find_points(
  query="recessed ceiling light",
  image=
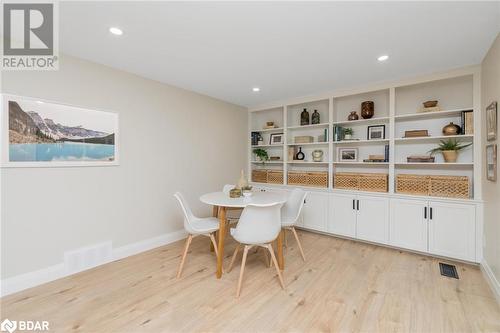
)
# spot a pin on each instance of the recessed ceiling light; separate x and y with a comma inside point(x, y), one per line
point(255, 89)
point(383, 57)
point(116, 31)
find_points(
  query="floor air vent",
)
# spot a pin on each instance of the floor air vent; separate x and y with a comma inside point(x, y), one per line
point(448, 270)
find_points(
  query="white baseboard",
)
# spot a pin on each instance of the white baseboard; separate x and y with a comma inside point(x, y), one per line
point(32, 279)
point(491, 279)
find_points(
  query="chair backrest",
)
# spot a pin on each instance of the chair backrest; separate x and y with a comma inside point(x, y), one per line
point(258, 224)
point(293, 205)
point(188, 214)
point(227, 188)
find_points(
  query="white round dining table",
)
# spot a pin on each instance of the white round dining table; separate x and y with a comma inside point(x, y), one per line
point(221, 202)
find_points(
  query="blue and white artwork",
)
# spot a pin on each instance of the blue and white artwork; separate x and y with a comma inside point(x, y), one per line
point(45, 133)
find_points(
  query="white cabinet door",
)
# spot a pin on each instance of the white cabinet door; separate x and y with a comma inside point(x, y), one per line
point(452, 231)
point(373, 219)
point(408, 224)
point(315, 211)
point(342, 216)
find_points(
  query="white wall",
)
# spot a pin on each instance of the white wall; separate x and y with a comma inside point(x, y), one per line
point(171, 139)
point(490, 87)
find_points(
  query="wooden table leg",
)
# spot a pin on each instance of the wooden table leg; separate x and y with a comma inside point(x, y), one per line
point(215, 213)
point(222, 236)
point(281, 257)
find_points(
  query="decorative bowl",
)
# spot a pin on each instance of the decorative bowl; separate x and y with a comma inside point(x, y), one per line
point(430, 104)
point(247, 194)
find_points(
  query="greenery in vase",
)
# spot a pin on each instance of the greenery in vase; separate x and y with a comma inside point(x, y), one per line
point(450, 144)
point(261, 153)
point(348, 131)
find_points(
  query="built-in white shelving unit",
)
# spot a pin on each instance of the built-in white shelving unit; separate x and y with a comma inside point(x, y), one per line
point(398, 108)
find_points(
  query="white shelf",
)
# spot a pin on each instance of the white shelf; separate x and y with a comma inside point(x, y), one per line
point(268, 146)
point(362, 163)
point(268, 129)
point(435, 164)
point(430, 115)
point(362, 121)
point(267, 162)
point(432, 138)
point(305, 162)
point(309, 126)
point(309, 144)
point(360, 141)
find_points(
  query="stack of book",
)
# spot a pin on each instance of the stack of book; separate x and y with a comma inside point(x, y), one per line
point(420, 159)
point(375, 158)
point(338, 133)
point(467, 122)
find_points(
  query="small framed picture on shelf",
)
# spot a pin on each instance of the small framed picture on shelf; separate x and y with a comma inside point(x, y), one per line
point(348, 154)
point(491, 121)
point(491, 162)
point(376, 132)
point(276, 139)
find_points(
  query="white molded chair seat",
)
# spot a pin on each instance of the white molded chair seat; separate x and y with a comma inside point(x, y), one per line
point(259, 225)
point(195, 226)
point(290, 213)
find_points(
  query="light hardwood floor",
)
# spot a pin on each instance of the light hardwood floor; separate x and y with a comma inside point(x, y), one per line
point(344, 286)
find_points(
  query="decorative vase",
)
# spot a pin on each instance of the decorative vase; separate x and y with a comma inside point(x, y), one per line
point(242, 182)
point(300, 155)
point(304, 118)
point(317, 155)
point(452, 129)
point(450, 156)
point(367, 109)
point(315, 117)
point(353, 116)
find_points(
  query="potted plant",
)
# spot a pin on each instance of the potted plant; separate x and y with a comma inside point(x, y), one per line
point(449, 149)
point(261, 154)
point(348, 133)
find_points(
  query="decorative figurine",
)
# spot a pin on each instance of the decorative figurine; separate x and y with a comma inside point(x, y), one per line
point(317, 155)
point(304, 118)
point(300, 155)
point(315, 117)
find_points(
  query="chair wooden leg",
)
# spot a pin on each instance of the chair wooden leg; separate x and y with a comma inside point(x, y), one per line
point(286, 238)
point(298, 243)
point(266, 256)
point(242, 270)
point(233, 258)
point(214, 244)
point(270, 248)
point(186, 248)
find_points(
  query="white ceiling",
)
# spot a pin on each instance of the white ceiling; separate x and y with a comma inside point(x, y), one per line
point(288, 49)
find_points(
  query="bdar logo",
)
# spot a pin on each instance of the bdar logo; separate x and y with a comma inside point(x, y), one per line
point(8, 326)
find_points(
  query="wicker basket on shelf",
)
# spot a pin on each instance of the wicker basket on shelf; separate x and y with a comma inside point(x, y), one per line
point(275, 176)
point(371, 182)
point(259, 176)
point(433, 185)
point(304, 178)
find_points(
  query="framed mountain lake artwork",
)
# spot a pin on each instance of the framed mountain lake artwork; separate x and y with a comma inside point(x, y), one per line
point(38, 133)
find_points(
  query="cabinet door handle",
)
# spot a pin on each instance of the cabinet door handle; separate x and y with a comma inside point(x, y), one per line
point(425, 213)
point(357, 204)
point(353, 204)
point(431, 214)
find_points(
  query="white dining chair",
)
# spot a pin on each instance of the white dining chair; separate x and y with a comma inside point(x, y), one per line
point(259, 225)
point(195, 226)
point(290, 213)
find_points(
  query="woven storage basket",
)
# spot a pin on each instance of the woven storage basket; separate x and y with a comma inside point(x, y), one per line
point(316, 179)
point(346, 180)
point(412, 184)
point(373, 182)
point(275, 176)
point(259, 176)
point(449, 186)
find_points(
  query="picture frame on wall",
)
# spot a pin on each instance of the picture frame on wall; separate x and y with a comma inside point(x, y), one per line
point(42, 133)
point(376, 132)
point(347, 154)
point(491, 162)
point(491, 121)
point(276, 139)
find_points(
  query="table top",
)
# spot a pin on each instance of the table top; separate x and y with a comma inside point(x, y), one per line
point(257, 198)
